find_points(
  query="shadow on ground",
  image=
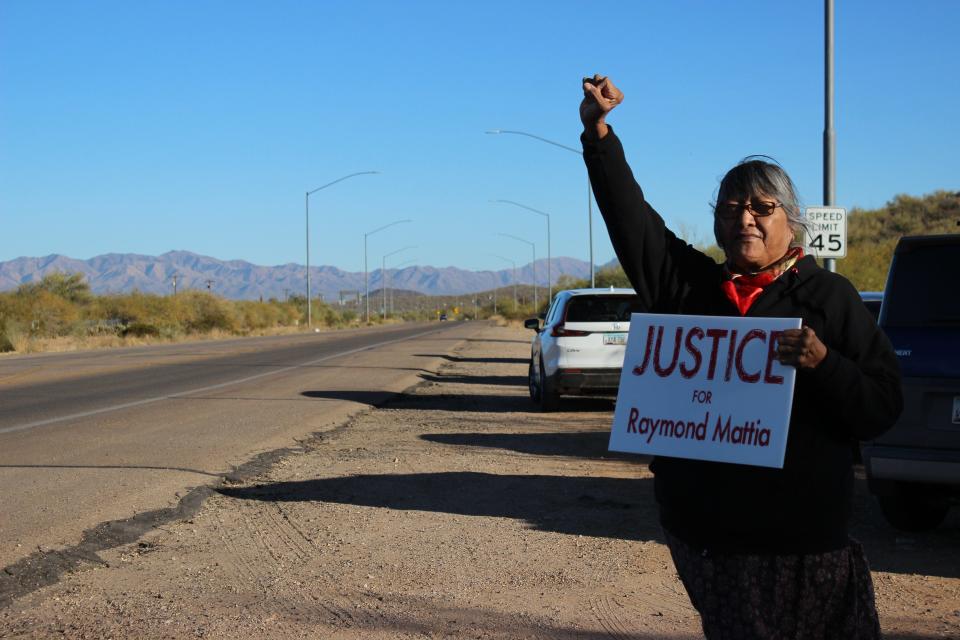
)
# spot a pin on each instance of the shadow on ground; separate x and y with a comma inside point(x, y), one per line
point(580, 444)
point(458, 402)
point(372, 398)
point(931, 553)
point(450, 358)
point(587, 506)
point(512, 381)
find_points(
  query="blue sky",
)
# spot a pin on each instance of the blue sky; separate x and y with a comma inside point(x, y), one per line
point(150, 126)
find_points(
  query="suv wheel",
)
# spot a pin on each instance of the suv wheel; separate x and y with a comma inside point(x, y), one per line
point(549, 396)
point(533, 382)
point(909, 511)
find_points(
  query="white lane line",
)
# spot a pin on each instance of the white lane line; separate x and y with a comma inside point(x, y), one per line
point(180, 394)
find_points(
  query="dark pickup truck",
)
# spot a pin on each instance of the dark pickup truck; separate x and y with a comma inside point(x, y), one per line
point(914, 469)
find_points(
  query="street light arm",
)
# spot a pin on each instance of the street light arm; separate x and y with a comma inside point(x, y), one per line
point(530, 135)
point(306, 203)
point(387, 255)
point(589, 188)
point(513, 262)
point(370, 233)
point(523, 206)
point(366, 276)
point(507, 235)
point(330, 184)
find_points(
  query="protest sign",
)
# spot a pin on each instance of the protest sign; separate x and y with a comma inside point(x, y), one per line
point(706, 388)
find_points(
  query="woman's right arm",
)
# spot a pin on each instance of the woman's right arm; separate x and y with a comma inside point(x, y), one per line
point(658, 264)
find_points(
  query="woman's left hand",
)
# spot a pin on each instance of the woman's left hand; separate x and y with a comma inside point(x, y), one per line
point(800, 348)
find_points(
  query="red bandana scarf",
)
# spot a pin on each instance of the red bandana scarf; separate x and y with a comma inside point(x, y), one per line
point(744, 288)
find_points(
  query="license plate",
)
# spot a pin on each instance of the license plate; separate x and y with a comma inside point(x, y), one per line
point(620, 338)
point(956, 409)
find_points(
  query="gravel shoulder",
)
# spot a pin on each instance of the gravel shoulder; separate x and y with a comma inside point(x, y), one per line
point(452, 511)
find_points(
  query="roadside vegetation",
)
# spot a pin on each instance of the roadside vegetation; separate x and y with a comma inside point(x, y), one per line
point(61, 313)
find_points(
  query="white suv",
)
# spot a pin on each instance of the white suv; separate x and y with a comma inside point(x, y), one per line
point(579, 349)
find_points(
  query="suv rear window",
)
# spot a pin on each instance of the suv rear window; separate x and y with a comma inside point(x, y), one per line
point(916, 294)
point(600, 308)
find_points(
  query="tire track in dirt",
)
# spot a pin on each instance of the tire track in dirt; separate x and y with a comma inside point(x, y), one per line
point(268, 546)
point(621, 615)
point(612, 616)
point(260, 569)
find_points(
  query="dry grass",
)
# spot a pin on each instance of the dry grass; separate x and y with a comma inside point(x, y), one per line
point(25, 344)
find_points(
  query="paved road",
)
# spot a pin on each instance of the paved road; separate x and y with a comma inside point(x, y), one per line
point(92, 437)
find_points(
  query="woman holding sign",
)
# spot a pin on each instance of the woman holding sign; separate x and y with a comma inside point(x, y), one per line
point(762, 552)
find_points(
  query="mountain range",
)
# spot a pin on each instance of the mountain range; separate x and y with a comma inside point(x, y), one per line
point(238, 279)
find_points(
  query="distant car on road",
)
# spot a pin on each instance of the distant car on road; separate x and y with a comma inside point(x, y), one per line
point(914, 469)
point(579, 350)
point(443, 316)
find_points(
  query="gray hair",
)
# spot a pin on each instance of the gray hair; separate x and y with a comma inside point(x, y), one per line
point(756, 175)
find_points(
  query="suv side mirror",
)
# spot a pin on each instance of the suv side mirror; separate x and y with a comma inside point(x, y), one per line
point(532, 323)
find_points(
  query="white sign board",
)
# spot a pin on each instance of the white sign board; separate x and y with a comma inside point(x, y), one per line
point(706, 388)
point(826, 235)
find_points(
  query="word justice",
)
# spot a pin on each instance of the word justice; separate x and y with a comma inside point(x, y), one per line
point(667, 358)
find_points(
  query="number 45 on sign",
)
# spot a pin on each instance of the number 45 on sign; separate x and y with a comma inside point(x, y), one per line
point(826, 235)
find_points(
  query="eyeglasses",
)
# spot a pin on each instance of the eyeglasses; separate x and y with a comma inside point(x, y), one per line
point(757, 208)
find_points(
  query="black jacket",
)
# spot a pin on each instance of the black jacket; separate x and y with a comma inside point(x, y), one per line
point(853, 394)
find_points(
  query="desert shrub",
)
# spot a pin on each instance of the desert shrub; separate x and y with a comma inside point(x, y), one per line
point(9, 332)
point(330, 316)
point(71, 287)
point(203, 312)
point(50, 315)
point(253, 316)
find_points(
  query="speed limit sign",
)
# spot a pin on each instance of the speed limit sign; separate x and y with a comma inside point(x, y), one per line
point(826, 235)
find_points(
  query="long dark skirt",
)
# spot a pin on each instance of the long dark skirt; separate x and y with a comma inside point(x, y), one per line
point(795, 597)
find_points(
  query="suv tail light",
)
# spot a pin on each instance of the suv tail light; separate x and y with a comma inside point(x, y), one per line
point(560, 332)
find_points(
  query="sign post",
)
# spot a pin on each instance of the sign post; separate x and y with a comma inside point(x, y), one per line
point(705, 388)
point(826, 236)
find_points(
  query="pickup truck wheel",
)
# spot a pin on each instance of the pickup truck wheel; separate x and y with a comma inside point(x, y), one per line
point(549, 396)
point(909, 511)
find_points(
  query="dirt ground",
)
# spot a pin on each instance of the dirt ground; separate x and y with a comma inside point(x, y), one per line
point(453, 511)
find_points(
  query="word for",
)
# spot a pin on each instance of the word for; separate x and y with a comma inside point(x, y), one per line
point(734, 346)
point(749, 433)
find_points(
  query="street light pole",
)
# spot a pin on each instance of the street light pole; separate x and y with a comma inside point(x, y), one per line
point(307, 210)
point(549, 254)
point(593, 280)
point(829, 136)
point(383, 276)
point(366, 273)
point(533, 247)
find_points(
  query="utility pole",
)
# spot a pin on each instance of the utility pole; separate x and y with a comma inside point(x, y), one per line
point(209, 285)
point(174, 278)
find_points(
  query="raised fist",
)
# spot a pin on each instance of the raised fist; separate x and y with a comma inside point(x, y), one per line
point(600, 97)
